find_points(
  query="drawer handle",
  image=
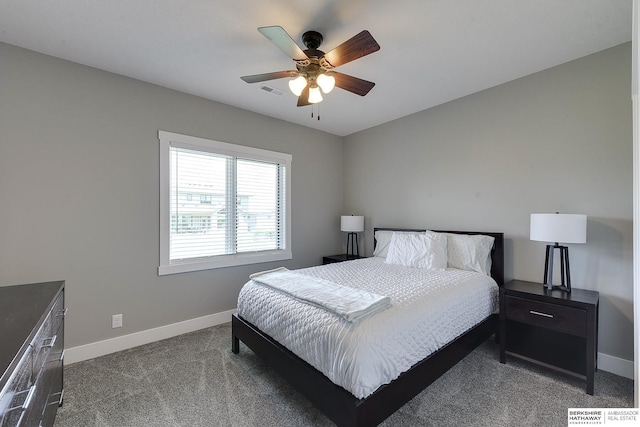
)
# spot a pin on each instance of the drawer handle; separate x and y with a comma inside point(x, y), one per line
point(58, 360)
point(61, 400)
point(537, 313)
point(51, 343)
point(27, 401)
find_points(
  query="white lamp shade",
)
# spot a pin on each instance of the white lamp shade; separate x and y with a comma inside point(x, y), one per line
point(352, 223)
point(326, 82)
point(559, 228)
point(297, 85)
point(314, 95)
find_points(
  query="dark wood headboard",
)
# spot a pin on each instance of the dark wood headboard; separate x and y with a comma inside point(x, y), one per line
point(497, 253)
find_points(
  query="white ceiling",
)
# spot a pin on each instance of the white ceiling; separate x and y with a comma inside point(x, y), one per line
point(432, 51)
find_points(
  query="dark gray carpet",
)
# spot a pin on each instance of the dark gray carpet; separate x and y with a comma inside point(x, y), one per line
point(194, 380)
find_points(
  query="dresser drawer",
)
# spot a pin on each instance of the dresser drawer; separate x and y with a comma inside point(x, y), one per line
point(52, 323)
point(562, 319)
point(57, 313)
point(44, 342)
point(17, 396)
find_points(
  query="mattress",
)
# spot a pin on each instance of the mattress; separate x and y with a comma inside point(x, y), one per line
point(428, 310)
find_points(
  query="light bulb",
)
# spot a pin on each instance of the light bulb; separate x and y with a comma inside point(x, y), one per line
point(326, 83)
point(297, 85)
point(314, 95)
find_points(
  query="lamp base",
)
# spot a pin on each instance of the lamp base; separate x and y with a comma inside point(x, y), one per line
point(352, 238)
point(557, 288)
point(565, 274)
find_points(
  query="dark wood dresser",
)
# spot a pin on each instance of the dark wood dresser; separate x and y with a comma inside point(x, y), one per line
point(31, 353)
point(555, 328)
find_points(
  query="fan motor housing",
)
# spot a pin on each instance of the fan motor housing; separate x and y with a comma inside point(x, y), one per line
point(312, 39)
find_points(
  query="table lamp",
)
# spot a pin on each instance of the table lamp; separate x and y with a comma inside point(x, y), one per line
point(352, 224)
point(558, 228)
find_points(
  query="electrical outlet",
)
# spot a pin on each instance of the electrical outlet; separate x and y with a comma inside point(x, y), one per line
point(116, 321)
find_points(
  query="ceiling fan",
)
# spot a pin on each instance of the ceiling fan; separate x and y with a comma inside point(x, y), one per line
point(314, 68)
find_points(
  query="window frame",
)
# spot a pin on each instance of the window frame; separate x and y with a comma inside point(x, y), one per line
point(167, 266)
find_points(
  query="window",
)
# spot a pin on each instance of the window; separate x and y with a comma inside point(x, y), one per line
point(221, 204)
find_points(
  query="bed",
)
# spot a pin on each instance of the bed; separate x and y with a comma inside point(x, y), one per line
point(368, 406)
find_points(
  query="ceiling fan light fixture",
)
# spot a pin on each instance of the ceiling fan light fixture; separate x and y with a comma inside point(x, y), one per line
point(326, 83)
point(314, 75)
point(297, 85)
point(314, 95)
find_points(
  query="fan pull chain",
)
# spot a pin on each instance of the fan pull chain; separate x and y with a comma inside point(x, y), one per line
point(313, 105)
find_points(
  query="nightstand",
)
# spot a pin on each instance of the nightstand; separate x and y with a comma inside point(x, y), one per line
point(339, 258)
point(554, 328)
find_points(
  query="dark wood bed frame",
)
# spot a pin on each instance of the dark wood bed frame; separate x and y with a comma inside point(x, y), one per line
point(339, 405)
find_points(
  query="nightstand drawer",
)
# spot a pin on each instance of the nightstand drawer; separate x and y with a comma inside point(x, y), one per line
point(562, 319)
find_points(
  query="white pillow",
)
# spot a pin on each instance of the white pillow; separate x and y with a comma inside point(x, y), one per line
point(383, 239)
point(470, 252)
point(418, 250)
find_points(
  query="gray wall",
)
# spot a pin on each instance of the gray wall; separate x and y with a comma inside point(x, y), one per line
point(79, 183)
point(79, 192)
point(558, 140)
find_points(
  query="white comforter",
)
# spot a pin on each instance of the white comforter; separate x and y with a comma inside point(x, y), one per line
point(429, 309)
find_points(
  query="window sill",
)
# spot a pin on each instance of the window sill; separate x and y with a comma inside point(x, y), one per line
point(222, 262)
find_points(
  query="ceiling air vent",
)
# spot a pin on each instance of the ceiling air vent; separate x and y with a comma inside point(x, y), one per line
point(271, 90)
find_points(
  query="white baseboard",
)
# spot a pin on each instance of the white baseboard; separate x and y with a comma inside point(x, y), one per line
point(615, 365)
point(101, 348)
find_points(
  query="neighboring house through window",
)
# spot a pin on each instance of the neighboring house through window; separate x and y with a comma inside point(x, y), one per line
point(221, 204)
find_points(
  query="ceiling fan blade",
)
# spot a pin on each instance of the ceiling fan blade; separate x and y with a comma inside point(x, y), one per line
point(356, 47)
point(353, 84)
point(269, 76)
point(283, 40)
point(303, 99)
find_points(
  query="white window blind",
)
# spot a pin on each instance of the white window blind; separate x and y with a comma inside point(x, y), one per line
point(225, 204)
point(259, 200)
